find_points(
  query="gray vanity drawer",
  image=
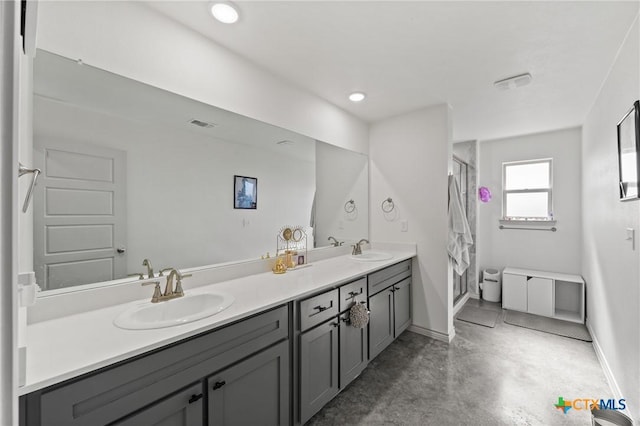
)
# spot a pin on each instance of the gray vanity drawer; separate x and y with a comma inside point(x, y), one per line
point(347, 292)
point(317, 309)
point(380, 280)
point(117, 391)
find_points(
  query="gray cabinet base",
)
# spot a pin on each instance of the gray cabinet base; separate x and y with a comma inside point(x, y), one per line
point(318, 368)
point(353, 350)
point(380, 322)
point(253, 392)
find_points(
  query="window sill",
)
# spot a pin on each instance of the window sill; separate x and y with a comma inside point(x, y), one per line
point(531, 222)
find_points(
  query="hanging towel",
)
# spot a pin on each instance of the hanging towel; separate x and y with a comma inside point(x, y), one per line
point(459, 232)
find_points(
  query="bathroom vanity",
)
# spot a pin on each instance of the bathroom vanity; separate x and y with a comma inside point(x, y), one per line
point(275, 357)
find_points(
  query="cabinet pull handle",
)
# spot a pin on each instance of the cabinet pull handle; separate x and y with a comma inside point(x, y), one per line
point(321, 308)
point(353, 294)
point(396, 288)
point(335, 324)
point(194, 398)
point(392, 289)
point(218, 385)
point(346, 319)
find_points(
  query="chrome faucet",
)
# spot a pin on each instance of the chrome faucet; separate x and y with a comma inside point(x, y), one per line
point(335, 242)
point(147, 263)
point(168, 289)
point(357, 248)
point(169, 292)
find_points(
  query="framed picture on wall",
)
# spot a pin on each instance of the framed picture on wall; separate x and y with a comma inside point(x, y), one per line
point(245, 192)
point(628, 151)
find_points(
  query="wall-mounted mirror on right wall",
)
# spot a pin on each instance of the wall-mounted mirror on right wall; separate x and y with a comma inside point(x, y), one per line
point(629, 153)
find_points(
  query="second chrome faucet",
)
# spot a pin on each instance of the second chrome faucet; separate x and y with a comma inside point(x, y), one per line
point(335, 242)
point(357, 248)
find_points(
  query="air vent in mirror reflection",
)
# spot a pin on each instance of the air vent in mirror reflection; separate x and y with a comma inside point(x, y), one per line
point(201, 123)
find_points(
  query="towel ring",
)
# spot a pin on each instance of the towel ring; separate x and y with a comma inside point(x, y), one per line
point(387, 205)
point(349, 206)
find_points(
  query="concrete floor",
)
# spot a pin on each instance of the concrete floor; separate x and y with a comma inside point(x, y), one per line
point(505, 375)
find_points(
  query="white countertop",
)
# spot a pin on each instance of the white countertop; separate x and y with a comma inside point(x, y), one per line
point(66, 347)
point(544, 274)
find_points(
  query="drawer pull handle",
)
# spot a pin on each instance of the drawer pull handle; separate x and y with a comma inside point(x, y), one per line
point(346, 320)
point(194, 398)
point(353, 294)
point(335, 324)
point(321, 308)
point(218, 385)
point(392, 289)
point(396, 288)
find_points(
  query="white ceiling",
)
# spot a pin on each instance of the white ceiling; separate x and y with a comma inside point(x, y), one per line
point(409, 55)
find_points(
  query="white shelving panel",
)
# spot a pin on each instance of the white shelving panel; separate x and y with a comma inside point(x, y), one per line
point(550, 294)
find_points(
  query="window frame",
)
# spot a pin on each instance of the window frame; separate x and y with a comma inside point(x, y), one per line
point(549, 191)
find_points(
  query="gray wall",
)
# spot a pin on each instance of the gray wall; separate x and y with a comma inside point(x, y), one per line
point(541, 250)
point(610, 262)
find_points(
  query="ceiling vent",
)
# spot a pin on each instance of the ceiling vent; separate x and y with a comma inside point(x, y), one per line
point(202, 124)
point(513, 82)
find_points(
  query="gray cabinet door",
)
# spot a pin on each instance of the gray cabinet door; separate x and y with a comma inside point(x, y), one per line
point(353, 350)
point(184, 408)
point(254, 392)
point(318, 368)
point(402, 306)
point(381, 329)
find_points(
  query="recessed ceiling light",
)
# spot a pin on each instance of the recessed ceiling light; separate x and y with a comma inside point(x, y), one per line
point(224, 12)
point(357, 97)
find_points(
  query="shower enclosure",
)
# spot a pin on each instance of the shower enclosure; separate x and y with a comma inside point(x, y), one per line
point(461, 172)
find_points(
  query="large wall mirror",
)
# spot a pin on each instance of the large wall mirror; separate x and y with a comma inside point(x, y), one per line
point(133, 172)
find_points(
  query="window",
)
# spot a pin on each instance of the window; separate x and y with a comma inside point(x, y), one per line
point(526, 190)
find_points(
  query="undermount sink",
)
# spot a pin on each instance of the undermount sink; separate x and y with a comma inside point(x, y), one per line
point(183, 310)
point(372, 256)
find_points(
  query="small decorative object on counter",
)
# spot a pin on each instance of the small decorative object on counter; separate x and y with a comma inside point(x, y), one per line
point(359, 315)
point(484, 194)
point(291, 242)
point(291, 257)
point(280, 267)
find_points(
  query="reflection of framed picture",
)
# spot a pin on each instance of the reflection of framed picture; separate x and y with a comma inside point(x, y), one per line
point(245, 192)
point(628, 151)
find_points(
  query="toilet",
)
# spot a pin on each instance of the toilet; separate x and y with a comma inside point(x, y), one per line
point(491, 285)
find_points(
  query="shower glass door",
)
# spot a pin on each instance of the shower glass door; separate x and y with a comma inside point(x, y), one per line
point(460, 169)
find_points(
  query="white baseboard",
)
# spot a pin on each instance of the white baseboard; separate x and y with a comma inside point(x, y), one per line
point(474, 295)
point(447, 338)
point(613, 384)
